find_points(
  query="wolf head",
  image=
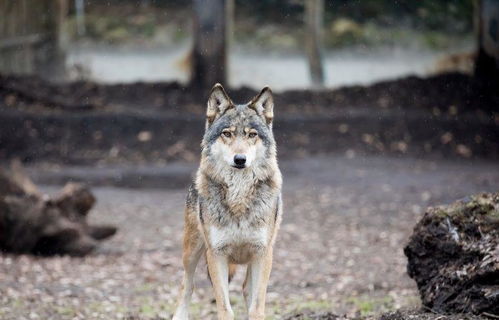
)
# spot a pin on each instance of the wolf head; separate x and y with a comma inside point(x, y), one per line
point(239, 137)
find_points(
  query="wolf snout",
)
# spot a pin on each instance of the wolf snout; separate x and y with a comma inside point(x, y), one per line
point(240, 161)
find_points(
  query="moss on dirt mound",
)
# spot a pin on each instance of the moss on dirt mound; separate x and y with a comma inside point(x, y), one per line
point(453, 255)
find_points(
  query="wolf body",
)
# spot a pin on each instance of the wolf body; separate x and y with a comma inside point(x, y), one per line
point(234, 207)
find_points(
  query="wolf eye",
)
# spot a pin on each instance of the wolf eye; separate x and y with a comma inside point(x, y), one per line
point(227, 134)
point(252, 134)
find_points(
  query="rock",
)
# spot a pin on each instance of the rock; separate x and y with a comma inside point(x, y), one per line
point(453, 255)
point(31, 222)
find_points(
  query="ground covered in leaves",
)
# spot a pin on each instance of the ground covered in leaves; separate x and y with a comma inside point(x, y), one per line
point(340, 248)
point(412, 314)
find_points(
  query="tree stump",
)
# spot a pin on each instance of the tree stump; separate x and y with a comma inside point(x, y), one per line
point(453, 255)
point(31, 222)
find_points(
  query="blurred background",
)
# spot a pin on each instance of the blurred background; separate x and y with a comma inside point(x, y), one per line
point(266, 43)
point(382, 109)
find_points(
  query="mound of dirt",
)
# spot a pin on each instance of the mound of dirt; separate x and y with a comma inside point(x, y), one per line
point(453, 255)
point(447, 94)
point(84, 123)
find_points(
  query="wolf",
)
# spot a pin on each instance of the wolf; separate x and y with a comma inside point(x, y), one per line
point(234, 206)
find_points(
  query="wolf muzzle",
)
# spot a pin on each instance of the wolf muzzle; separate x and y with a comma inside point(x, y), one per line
point(240, 161)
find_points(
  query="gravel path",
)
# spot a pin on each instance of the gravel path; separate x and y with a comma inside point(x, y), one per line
point(340, 246)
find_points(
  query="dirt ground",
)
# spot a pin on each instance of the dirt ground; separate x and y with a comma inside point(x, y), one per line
point(339, 248)
point(353, 191)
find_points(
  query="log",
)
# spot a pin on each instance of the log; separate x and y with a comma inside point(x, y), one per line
point(31, 222)
point(453, 255)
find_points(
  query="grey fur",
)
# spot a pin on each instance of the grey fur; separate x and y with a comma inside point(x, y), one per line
point(263, 199)
point(262, 193)
point(239, 116)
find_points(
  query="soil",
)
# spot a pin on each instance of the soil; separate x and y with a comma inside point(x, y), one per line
point(84, 123)
point(464, 93)
point(340, 247)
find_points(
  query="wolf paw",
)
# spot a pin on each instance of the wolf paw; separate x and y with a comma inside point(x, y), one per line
point(181, 315)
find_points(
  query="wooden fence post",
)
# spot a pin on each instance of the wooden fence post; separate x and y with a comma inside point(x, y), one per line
point(209, 54)
point(314, 12)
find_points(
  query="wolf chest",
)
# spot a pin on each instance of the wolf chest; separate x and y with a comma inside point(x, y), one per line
point(240, 242)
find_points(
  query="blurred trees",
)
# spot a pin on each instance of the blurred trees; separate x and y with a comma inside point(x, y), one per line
point(265, 23)
point(422, 13)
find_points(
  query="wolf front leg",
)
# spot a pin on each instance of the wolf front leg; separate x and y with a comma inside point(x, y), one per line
point(192, 253)
point(218, 267)
point(260, 273)
point(247, 287)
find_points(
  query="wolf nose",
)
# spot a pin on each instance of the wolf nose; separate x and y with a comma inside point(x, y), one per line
point(240, 159)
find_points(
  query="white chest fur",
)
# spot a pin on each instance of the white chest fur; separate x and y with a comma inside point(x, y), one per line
point(240, 242)
point(240, 191)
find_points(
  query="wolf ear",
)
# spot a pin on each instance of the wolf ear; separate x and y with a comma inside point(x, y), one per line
point(218, 103)
point(263, 104)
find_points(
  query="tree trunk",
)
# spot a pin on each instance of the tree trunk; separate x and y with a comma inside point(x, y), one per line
point(487, 28)
point(209, 55)
point(314, 11)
